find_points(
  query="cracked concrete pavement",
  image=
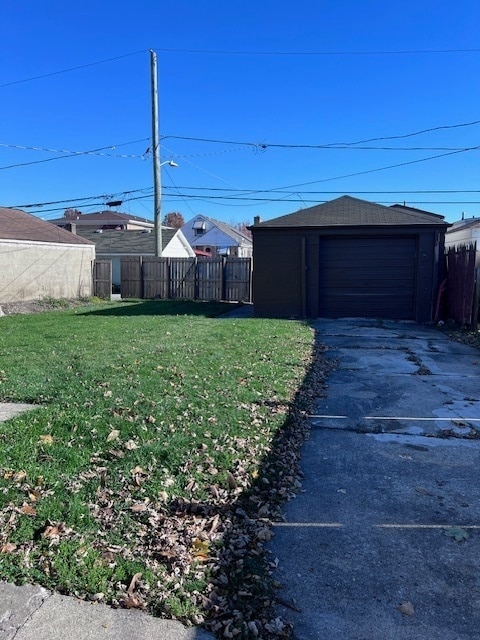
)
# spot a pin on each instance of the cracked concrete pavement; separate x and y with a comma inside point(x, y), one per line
point(33, 613)
point(383, 542)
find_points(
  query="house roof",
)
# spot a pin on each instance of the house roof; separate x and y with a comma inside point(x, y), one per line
point(18, 225)
point(127, 242)
point(348, 211)
point(237, 236)
point(465, 224)
point(100, 217)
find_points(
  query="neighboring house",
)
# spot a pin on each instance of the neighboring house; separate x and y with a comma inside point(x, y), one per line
point(38, 260)
point(216, 238)
point(74, 219)
point(349, 257)
point(113, 245)
point(464, 232)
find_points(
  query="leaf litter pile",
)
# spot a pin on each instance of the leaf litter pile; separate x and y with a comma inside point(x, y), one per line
point(161, 453)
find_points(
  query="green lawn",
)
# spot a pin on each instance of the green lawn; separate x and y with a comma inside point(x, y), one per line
point(163, 442)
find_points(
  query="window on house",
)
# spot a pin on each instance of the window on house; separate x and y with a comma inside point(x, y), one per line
point(199, 227)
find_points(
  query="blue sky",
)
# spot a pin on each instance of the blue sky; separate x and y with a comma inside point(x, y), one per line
point(266, 73)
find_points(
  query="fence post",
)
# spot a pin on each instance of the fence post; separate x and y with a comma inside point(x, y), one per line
point(224, 279)
point(476, 300)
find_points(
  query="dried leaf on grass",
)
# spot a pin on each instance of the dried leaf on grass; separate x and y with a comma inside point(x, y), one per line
point(217, 535)
point(200, 549)
point(138, 507)
point(27, 510)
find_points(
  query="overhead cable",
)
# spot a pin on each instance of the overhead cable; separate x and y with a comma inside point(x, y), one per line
point(81, 66)
point(265, 145)
point(319, 53)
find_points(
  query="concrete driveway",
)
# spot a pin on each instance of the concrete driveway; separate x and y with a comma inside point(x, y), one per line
point(383, 543)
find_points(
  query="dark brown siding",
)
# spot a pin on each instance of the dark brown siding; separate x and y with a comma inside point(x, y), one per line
point(367, 276)
point(277, 274)
point(353, 271)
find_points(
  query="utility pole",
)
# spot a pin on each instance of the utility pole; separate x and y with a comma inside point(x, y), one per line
point(157, 184)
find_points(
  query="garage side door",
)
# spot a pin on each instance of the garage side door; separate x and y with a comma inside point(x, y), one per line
point(367, 277)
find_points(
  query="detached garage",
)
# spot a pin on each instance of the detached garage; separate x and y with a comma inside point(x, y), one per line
point(38, 259)
point(349, 257)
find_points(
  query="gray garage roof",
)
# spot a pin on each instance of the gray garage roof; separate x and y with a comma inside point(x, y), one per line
point(348, 211)
point(127, 242)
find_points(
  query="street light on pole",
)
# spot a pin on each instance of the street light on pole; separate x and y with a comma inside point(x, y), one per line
point(157, 181)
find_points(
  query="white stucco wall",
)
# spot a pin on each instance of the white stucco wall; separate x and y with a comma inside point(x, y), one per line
point(34, 270)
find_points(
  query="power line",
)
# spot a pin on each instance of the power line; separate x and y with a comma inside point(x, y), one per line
point(263, 146)
point(319, 53)
point(70, 154)
point(81, 66)
point(207, 198)
point(235, 191)
point(400, 191)
point(92, 153)
point(70, 200)
point(245, 53)
point(366, 171)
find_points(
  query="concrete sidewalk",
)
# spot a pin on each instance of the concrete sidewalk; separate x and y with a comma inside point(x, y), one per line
point(384, 541)
point(33, 613)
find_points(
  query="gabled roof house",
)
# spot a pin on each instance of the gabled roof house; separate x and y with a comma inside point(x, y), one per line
point(349, 257)
point(40, 260)
point(216, 238)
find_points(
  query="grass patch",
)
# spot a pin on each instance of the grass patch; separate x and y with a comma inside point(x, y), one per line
point(150, 452)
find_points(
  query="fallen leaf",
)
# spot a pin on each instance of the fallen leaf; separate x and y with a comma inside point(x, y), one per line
point(133, 583)
point(46, 439)
point(137, 471)
point(200, 549)
point(457, 533)
point(406, 608)
point(132, 602)
point(27, 510)
point(113, 435)
point(51, 531)
point(138, 507)
point(8, 547)
point(232, 483)
point(19, 476)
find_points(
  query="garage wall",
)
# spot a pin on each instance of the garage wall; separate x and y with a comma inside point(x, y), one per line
point(277, 275)
point(34, 270)
point(380, 272)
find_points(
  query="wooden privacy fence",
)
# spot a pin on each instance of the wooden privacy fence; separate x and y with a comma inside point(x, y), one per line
point(102, 278)
point(227, 279)
point(463, 282)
